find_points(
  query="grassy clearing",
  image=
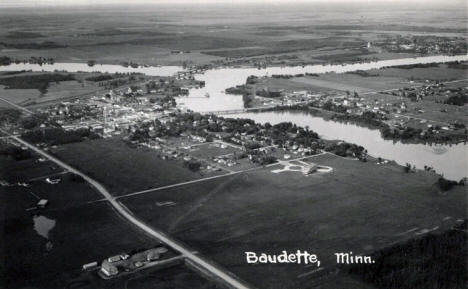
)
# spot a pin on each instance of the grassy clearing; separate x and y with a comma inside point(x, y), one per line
point(81, 235)
point(17, 96)
point(296, 84)
point(441, 72)
point(29, 88)
point(171, 278)
point(357, 207)
point(290, 45)
point(34, 81)
point(23, 170)
point(64, 90)
point(123, 169)
point(23, 35)
point(354, 82)
point(207, 151)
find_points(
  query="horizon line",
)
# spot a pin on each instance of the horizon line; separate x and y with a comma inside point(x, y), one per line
point(103, 3)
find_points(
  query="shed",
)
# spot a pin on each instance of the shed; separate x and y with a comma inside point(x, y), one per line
point(42, 203)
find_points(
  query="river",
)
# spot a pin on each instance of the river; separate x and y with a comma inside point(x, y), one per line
point(83, 67)
point(450, 160)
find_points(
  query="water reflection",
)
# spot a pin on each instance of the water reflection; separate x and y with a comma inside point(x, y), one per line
point(43, 225)
point(217, 80)
point(83, 67)
point(449, 160)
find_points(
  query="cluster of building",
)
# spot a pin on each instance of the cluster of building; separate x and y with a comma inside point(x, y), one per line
point(437, 91)
point(425, 44)
point(261, 61)
point(179, 85)
point(125, 263)
point(111, 114)
point(167, 152)
point(299, 150)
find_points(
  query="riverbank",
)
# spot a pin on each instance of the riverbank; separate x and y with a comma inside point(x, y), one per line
point(371, 121)
point(217, 80)
point(448, 160)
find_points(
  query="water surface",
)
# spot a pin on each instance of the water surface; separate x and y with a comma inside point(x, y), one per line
point(450, 160)
point(43, 225)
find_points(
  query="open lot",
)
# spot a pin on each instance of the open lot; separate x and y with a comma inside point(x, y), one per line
point(176, 277)
point(78, 235)
point(441, 72)
point(209, 150)
point(322, 213)
point(25, 170)
point(123, 169)
point(67, 193)
point(45, 248)
point(353, 82)
point(17, 95)
point(64, 90)
point(55, 91)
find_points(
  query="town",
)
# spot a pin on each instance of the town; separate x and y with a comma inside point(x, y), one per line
point(160, 145)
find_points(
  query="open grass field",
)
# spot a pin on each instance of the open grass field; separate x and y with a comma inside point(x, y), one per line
point(30, 95)
point(207, 151)
point(147, 34)
point(49, 253)
point(25, 170)
point(123, 169)
point(309, 83)
point(17, 96)
point(67, 193)
point(81, 234)
point(442, 73)
point(358, 207)
point(354, 82)
point(380, 79)
point(65, 89)
point(170, 278)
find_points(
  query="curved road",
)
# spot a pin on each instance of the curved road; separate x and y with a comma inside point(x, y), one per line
point(197, 260)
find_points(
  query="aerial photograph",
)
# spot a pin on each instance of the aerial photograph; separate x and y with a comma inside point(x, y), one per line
point(233, 144)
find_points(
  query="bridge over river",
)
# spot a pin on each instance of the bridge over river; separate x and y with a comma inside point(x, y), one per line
point(242, 110)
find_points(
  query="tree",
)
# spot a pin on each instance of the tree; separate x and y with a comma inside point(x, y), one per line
point(192, 165)
point(407, 168)
point(9, 115)
point(43, 89)
point(445, 185)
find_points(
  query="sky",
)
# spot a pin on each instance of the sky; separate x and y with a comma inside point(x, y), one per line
point(39, 3)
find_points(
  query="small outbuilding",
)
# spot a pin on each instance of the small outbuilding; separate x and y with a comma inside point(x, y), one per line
point(42, 203)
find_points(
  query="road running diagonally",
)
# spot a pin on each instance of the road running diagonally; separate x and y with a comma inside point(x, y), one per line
point(200, 262)
point(16, 106)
